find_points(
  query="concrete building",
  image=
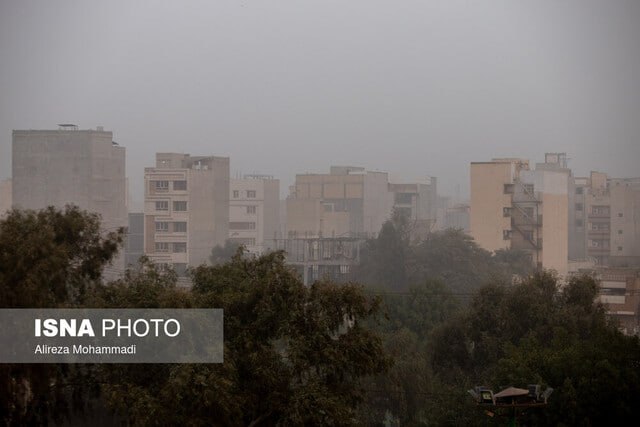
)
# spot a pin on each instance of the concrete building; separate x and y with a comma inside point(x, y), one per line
point(457, 217)
point(515, 207)
point(5, 196)
point(254, 211)
point(134, 243)
point(186, 208)
point(317, 258)
point(348, 201)
point(71, 166)
point(620, 293)
point(418, 201)
point(608, 214)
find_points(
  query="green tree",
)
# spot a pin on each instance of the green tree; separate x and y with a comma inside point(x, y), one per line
point(293, 355)
point(49, 258)
point(222, 254)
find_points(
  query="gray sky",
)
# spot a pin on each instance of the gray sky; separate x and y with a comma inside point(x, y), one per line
point(284, 87)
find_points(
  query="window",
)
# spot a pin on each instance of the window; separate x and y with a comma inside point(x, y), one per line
point(179, 247)
point(328, 207)
point(600, 210)
point(619, 248)
point(508, 189)
point(578, 206)
point(180, 185)
point(179, 227)
point(162, 247)
point(180, 206)
point(236, 194)
point(162, 226)
point(251, 210)
point(162, 185)
point(620, 215)
point(506, 234)
point(251, 194)
point(162, 205)
point(344, 269)
point(619, 231)
point(579, 190)
point(242, 226)
point(506, 212)
point(579, 223)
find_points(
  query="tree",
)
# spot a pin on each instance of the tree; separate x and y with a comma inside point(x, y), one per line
point(48, 259)
point(222, 254)
point(539, 332)
point(293, 355)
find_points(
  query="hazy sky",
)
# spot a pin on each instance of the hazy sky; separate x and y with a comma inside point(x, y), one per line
point(283, 87)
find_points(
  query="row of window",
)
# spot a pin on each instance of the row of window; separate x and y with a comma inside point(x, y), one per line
point(242, 225)
point(251, 194)
point(164, 185)
point(178, 206)
point(175, 247)
point(176, 227)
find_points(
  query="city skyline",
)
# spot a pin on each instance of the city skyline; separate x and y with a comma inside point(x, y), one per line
point(316, 85)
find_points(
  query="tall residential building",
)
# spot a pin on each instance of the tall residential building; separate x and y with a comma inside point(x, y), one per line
point(348, 201)
point(186, 208)
point(515, 207)
point(607, 219)
point(71, 166)
point(254, 211)
point(5, 196)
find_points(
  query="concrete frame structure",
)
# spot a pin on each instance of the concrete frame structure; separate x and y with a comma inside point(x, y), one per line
point(186, 208)
point(254, 211)
point(417, 200)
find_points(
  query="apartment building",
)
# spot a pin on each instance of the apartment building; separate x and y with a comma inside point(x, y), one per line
point(457, 216)
point(5, 196)
point(620, 293)
point(254, 212)
point(186, 208)
point(348, 201)
point(134, 243)
point(71, 166)
point(515, 207)
point(607, 219)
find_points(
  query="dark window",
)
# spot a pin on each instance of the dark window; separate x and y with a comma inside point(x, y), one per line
point(180, 185)
point(242, 226)
point(236, 194)
point(179, 247)
point(578, 206)
point(579, 190)
point(578, 223)
point(180, 206)
point(162, 226)
point(404, 198)
point(162, 205)
point(251, 210)
point(161, 185)
point(179, 227)
point(251, 194)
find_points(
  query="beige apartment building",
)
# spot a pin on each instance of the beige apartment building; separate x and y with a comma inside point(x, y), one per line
point(607, 219)
point(71, 166)
point(620, 293)
point(346, 202)
point(515, 207)
point(5, 196)
point(186, 208)
point(254, 212)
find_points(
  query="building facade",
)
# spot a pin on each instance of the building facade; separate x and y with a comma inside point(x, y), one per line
point(71, 166)
point(134, 243)
point(186, 208)
point(348, 201)
point(5, 196)
point(518, 208)
point(418, 201)
point(254, 212)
